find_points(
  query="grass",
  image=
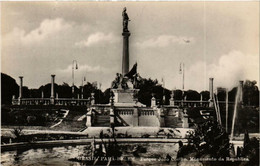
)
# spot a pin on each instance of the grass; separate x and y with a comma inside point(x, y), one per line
point(70, 123)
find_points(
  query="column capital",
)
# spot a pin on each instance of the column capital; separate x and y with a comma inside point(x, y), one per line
point(126, 34)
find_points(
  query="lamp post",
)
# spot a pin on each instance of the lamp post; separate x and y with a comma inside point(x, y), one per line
point(181, 71)
point(76, 67)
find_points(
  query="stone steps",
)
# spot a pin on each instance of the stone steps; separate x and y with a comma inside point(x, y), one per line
point(172, 121)
point(102, 120)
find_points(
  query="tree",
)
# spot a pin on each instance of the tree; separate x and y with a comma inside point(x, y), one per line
point(178, 94)
point(209, 139)
point(205, 95)
point(232, 95)
point(250, 93)
point(88, 89)
point(9, 88)
point(34, 93)
point(105, 96)
point(98, 95)
point(221, 94)
point(146, 87)
point(64, 91)
point(192, 95)
point(247, 119)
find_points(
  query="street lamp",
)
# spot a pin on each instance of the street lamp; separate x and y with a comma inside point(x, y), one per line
point(76, 67)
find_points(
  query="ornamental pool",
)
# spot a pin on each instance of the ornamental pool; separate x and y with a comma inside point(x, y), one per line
point(155, 154)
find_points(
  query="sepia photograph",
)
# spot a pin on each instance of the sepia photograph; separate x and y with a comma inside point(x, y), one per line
point(149, 83)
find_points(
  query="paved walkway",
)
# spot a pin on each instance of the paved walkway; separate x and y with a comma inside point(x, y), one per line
point(8, 132)
point(56, 143)
point(137, 131)
point(95, 131)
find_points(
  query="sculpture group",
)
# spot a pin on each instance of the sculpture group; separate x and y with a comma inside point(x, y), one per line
point(129, 80)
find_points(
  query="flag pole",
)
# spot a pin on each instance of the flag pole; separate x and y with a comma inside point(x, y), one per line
point(227, 110)
point(183, 77)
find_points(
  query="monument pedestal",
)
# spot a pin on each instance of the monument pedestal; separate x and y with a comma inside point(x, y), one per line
point(126, 97)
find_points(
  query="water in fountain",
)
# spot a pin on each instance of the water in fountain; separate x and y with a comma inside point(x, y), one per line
point(235, 112)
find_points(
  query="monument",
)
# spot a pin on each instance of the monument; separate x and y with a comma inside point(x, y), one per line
point(124, 84)
point(124, 109)
point(126, 34)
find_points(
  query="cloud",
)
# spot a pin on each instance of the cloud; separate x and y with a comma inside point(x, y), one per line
point(233, 67)
point(97, 38)
point(83, 68)
point(91, 73)
point(165, 40)
point(47, 28)
point(229, 69)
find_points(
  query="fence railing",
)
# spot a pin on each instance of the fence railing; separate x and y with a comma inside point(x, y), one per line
point(69, 101)
point(47, 101)
point(191, 103)
point(196, 103)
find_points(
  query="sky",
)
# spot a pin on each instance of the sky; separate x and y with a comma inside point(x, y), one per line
point(43, 38)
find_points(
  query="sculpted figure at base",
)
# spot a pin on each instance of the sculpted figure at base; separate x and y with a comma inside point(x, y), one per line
point(130, 80)
point(116, 82)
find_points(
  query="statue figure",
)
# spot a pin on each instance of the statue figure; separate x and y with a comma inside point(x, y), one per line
point(120, 82)
point(124, 83)
point(125, 20)
point(116, 82)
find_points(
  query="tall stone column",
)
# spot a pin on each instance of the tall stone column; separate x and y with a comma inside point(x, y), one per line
point(52, 88)
point(20, 90)
point(125, 59)
point(211, 92)
point(21, 87)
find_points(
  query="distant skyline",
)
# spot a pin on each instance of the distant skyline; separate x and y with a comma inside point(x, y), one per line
point(212, 39)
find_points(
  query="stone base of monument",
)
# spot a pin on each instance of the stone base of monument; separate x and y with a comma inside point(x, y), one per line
point(126, 97)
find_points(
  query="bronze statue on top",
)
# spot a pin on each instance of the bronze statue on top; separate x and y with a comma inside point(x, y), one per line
point(125, 20)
